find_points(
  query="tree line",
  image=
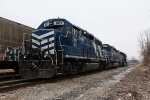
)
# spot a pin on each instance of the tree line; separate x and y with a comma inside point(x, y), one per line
point(144, 44)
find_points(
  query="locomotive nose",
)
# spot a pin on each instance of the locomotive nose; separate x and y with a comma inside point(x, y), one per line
point(44, 39)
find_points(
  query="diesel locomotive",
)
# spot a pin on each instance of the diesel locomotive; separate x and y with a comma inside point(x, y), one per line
point(59, 47)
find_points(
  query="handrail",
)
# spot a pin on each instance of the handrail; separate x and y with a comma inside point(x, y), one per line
point(63, 45)
point(22, 47)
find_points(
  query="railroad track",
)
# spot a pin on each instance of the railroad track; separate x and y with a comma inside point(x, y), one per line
point(8, 80)
point(6, 73)
point(21, 83)
point(15, 84)
point(8, 76)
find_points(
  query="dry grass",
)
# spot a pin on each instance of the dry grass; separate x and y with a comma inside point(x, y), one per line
point(144, 44)
point(135, 86)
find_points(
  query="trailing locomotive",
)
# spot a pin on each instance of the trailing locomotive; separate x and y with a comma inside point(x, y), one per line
point(58, 47)
point(114, 56)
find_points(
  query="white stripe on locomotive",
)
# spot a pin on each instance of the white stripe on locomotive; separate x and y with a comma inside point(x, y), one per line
point(50, 51)
point(50, 45)
point(43, 41)
point(95, 48)
point(42, 36)
point(100, 51)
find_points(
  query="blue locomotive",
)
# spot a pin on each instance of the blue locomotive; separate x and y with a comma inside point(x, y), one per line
point(114, 56)
point(58, 47)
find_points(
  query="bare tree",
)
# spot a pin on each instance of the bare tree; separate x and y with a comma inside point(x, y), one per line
point(144, 43)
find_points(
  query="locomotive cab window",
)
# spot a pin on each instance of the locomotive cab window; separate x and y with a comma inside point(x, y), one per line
point(57, 25)
point(60, 28)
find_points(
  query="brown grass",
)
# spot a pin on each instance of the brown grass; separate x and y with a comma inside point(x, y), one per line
point(135, 86)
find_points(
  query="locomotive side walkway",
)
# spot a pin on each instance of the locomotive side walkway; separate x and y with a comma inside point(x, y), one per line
point(114, 84)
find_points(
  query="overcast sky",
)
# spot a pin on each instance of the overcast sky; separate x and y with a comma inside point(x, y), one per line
point(116, 22)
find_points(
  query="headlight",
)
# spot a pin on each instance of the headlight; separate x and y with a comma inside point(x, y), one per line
point(24, 57)
point(58, 23)
point(45, 56)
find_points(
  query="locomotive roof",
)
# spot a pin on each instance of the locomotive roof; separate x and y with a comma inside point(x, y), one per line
point(110, 47)
point(97, 41)
point(64, 20)
point(123, 53)
point(86, 33)
point(59, 19)
point(107, 45)
point(113, 48)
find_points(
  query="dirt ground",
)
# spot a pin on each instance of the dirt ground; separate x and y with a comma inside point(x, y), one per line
point(134, 86)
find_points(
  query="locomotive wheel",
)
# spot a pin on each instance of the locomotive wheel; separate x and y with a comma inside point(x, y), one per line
point(82, 67)
point(74, 69)
point(67, 67)
point(22, 69)
point(101, 66)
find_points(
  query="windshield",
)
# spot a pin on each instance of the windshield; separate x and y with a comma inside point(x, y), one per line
point(60, 28)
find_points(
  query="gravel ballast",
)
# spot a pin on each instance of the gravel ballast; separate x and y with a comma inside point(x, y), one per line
point(88, 86)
